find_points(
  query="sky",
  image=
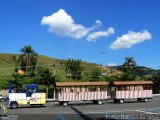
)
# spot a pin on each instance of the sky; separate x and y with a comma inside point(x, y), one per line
point(98, 31)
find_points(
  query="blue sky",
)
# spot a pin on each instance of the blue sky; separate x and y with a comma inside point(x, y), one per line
point(83, 29)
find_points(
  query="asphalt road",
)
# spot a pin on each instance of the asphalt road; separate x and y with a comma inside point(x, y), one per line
point(88, 111)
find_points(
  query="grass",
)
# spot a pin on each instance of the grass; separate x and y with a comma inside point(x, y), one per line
point(8, 63)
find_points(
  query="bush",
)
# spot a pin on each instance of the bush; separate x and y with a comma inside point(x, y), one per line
point(4, 83)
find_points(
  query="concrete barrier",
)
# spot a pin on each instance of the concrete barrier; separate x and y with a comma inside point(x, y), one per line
point(3, 93)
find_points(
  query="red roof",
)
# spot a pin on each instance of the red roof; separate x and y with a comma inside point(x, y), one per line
point(132, 82)
point(60, 84)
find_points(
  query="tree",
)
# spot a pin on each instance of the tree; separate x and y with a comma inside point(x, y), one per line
point(112, 78)
point(129, 68)
point(17, 81)
point(28, 60)
point(46, 77)
point(4, 83)
point(95, 74)
point(129, 65)
point(73, 68)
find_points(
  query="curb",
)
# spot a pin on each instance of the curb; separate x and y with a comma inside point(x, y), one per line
point(156, 94)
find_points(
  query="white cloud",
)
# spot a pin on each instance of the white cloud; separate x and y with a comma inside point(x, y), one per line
point(98, 22)
point(63, 24)
point(131, 38)
point(96, 35)
point(112, 64)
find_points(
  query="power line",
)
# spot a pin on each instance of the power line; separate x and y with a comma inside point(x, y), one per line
point(4, 74)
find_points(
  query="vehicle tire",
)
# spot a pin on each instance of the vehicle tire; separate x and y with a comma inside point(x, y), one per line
point(115, 100)
point(60, 103)
point(121, 101)
point(14, 105)
point(65, 103)
point(2, 100)
point(139, 99)
point(146, 100)
point(100, 102)
point(94, 101)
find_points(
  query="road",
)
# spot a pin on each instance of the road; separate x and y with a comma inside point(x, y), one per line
point(89, 111)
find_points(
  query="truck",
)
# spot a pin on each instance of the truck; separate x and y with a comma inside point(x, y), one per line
point(29, 96)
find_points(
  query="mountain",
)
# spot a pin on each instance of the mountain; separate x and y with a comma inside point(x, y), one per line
point(8, 63)
point(141, 70)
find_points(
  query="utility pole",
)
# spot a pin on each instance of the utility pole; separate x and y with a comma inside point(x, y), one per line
point(102, 53)
point(157, 71)
point(157, 77)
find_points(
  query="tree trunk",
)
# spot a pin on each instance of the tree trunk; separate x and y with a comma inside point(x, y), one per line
point(47, 92)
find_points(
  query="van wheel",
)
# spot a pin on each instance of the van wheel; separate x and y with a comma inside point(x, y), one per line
point(100, 102)
point(65, 103)
point(121, 101)
point(14, 105)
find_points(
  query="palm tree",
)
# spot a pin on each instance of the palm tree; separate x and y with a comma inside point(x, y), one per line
point(28, 60)
point(129, 64)
point(129, 68)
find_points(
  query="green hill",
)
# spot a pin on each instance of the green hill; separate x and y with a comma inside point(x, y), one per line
point(8, 63)
point(141, 70)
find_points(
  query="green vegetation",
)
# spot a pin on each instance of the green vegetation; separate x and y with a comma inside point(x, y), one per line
point(95, 75)
point(47, 70)
point(42, 70)
point(73, 69)
point(28, 60)
point(129, 69)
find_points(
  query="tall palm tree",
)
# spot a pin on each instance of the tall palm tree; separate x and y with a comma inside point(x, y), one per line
point(28, 60)
point(129, 64)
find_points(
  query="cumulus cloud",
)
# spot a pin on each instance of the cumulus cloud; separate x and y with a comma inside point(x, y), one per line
point(98, 22)
point(63, 24)
point(129, 39)
point(96, 35)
